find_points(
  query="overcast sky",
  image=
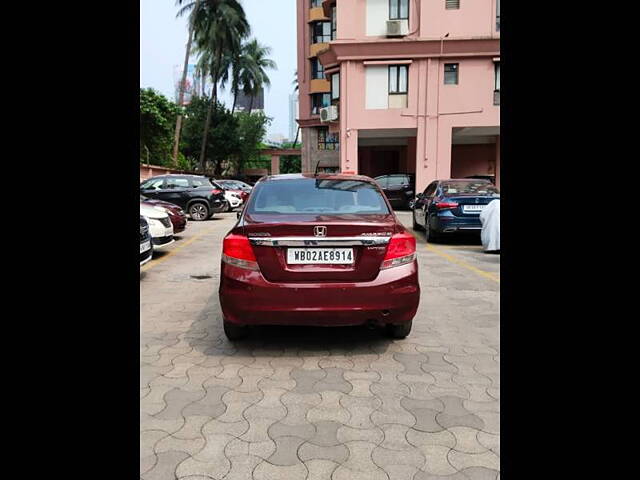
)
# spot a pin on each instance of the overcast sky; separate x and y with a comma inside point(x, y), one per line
point(163, 38)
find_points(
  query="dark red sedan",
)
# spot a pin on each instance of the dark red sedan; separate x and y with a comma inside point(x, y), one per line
point(176, 214)
point(318, 250)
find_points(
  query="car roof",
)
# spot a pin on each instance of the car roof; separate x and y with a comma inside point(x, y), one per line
point(464, 180)
point(320, 176)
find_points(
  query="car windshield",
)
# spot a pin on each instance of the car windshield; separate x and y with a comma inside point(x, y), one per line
point(317, 196)
point(479, 187)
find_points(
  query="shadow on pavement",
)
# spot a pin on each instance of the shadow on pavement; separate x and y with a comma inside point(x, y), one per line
point(207, 335)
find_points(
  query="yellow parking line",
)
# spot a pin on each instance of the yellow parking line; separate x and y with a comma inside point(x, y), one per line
point(157, 261)
point(457, 261)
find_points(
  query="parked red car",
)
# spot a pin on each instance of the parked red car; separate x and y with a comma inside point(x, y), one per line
point(176, 214)
point(318, 250)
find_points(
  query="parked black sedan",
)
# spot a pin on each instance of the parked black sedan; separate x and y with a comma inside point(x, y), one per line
point(449, 206)
point(195, 194)
point(399, 188)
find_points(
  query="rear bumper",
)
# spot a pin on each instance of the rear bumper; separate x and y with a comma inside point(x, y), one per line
point(218, 206)
point(247, 298)
point(447, 224)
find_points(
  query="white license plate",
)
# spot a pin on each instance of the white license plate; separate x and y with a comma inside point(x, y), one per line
point(320, 256)
point(145, 246)
point(472, 208)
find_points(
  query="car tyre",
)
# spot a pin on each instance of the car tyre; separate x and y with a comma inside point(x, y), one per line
point(400, 330)
point(416, 226)
point(199, 211)
point(430, 235)
point(233, 331)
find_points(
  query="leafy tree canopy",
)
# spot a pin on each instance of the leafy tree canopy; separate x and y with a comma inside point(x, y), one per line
point(157, 124)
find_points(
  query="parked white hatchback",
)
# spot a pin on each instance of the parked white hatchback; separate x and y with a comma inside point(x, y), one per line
point(160, 226)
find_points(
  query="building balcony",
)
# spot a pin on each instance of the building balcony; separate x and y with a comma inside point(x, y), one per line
point(319, 85)
point(317, 15)
point(316, 48)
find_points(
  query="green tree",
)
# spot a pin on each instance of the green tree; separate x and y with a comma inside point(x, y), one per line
point(290, 163)
point(223, 141)
point(252, 127)
point(253, 76)
point(157, 120)
point(219, 26)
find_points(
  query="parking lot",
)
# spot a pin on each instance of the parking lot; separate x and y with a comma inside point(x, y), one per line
point(313, 403)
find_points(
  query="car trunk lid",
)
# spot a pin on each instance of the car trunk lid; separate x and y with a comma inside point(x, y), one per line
point(366, 234)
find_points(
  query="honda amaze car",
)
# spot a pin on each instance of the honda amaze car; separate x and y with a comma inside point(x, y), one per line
point(450, 206)
point(321, 250)
point(195, 194)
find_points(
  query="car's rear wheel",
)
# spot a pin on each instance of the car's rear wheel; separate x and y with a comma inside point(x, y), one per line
point(430, 234)
point(233, 331)
point(416, 226)
point(399, 331)
point(198, 211)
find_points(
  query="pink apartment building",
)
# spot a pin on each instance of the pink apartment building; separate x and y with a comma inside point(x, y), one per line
point(402, 85)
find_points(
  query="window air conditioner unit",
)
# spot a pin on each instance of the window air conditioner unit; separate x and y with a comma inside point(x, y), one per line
point(397, 28)
point(329, 114)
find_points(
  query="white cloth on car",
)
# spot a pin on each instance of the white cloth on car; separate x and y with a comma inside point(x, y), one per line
point(490, 219)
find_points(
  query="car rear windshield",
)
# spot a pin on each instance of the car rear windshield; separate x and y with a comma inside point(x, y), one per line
point(480, 187)
point(311, 195)
point(201, 182)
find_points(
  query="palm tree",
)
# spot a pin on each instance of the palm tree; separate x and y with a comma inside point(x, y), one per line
point(254, 76)
point(176, 140)
point(219, 27)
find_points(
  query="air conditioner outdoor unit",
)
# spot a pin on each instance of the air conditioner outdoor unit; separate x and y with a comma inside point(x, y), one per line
point(397, 28)
point(329, 114)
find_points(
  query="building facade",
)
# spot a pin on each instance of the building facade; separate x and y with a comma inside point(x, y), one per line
point(415, 85)
point(294, 112)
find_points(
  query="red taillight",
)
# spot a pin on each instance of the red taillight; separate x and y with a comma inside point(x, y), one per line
point(215, 191)
point(442, 205)
point(237, 251)
point(400, 251)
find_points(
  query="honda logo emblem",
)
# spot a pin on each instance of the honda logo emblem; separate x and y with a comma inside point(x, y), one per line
point(320, 231)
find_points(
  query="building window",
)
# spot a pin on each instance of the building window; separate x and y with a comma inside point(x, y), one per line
point(452, 4)
point(498, 16)
point(335, 86)
point(398, 79)
point(317, 70)
point(316, 3)
point(321, 32)
point(451, 73)
point(318, 101)
point(398, 9)
point(334, 24)
point(326, 140)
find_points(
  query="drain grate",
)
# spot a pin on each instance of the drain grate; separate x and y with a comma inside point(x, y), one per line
point(200, 277)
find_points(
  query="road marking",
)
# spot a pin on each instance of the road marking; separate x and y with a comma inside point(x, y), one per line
point(457, 261)
point(153, 263)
